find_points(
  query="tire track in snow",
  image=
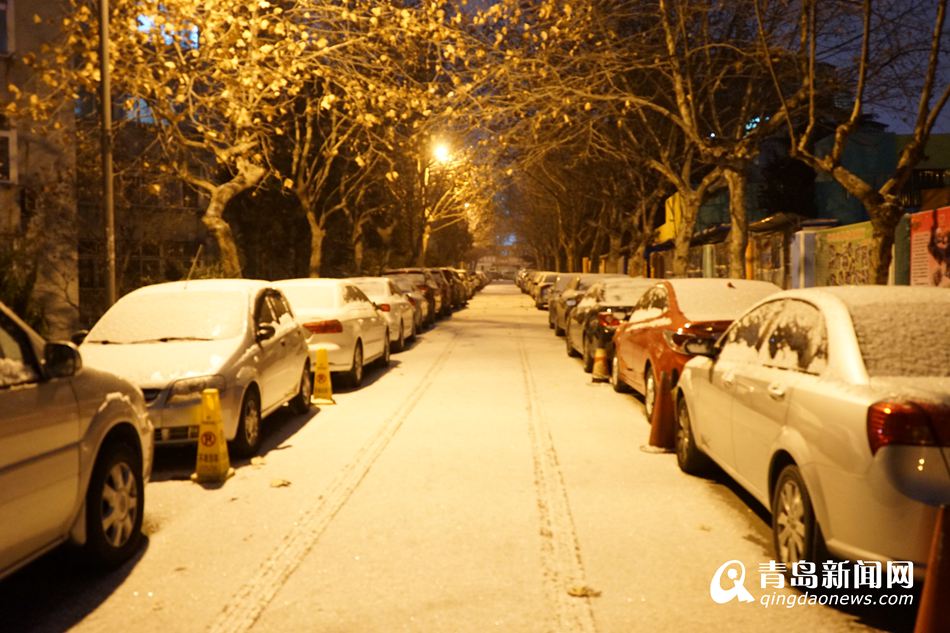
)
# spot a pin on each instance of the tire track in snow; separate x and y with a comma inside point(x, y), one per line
point(247, 604)
point(561, 562)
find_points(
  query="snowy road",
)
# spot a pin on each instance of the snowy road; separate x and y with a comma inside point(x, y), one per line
point(475, 485)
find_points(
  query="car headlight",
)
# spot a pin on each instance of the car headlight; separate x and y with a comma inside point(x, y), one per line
point(191, 388)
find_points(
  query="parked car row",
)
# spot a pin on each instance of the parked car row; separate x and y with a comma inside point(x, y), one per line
point(831, 406)
point(78, 426)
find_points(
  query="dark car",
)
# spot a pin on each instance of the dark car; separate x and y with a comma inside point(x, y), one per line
point(595, 318)
point(561, 305)
point(430, 284)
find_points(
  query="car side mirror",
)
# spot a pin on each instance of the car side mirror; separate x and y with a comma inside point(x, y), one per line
point(61, 360)
point(265, 332)
point(78, 337)
point(702, 347)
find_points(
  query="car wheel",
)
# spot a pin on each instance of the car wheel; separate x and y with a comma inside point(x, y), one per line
point(550, 321)
point(650, 393)
point(588, 357)
point(248, 436)
point(794, 529)
point(615, 380)
point(301, 402)
point(558, 331)
point(115, 501)
point(416, 326)
point(401, 341)
point(384, 359)
point(688, 456)
point(354, 377)
point(570, 348)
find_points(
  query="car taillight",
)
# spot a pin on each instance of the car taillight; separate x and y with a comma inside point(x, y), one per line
point(607, 319)
point(412, 301)
point(325, 327)
point(677, 340)
point(384, 307)
point(424, 289)
point(907, 423)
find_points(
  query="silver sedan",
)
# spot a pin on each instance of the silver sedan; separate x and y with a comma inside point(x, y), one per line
point(832, 407)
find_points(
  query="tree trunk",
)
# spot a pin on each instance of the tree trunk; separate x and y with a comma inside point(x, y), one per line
point(884, 221)
point(684, 233)
point(570, 256)
point(317, 233)
point(638, 261)
point(220, 231)
point(356, 239)
point(614, 264)
point(739, 233)
point(424, 248)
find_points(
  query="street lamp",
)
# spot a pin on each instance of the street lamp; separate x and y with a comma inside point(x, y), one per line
point(441, 153)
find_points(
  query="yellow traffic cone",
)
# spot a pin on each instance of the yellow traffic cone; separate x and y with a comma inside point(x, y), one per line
point(213, 465)
point(322, 387)
point(600, 371)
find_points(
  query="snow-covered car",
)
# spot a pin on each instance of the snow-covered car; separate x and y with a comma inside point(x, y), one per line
point(75, 452)
point(831, 406)
point(342, 320)
point(176, 339)
point(595, 318)
point(651, 341)
point(396, 308)
point(420, 306)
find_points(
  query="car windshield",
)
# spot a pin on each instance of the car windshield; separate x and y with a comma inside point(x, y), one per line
point(311, 295)
point(172, 316)
point(903, 339)
point(403, 284)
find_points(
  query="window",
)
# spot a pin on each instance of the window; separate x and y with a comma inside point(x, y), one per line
point(8, 171)
point(265, 314)
point(797, 339)
point(17, 366)
point(6, 27)
point(743, 340)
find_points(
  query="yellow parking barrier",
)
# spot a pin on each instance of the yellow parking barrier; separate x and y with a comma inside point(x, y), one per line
point(322, 387)
point(213, 464)
point(600, 371)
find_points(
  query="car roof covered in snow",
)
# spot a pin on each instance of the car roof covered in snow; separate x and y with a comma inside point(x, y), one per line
point(205, 285)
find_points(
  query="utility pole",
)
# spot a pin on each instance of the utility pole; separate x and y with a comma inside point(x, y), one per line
point(105, 106)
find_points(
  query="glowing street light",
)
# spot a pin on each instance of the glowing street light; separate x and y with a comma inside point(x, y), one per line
point(441, 153)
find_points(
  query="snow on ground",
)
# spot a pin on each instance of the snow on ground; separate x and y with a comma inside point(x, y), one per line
point(473, 486)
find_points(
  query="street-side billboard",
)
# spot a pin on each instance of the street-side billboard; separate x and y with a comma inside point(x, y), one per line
point(930, 248)
point(843, 255)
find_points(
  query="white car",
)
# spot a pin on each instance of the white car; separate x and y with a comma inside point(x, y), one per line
point(343, 321)
point(832, 407)
point(176, 339)
point(396, 308)
point(75, 452)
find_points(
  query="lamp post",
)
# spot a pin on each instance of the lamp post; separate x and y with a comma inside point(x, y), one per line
point(106, 111)
point(442, 154)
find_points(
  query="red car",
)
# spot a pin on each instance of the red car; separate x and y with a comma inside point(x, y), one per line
point(674, 311)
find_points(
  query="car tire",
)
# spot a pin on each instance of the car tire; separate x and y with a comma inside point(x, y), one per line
point(587, 356)
point(550, 321)
point(248, 437)
point(688, 456)
point(795, 532)
point(354, 377)
point(650, 392)
point(570, 348)
point(114, 518)
point(387, 351)
point(401, 341)
point(558, 331)
point(615, 380)
point(300, 404)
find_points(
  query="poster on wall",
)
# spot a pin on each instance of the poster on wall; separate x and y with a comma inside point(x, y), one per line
point(930, 248)
point(843, 255)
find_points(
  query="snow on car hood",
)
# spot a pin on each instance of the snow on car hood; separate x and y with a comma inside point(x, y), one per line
point(154, 365)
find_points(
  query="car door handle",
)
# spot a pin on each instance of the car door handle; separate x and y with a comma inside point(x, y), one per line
point(776, 391)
